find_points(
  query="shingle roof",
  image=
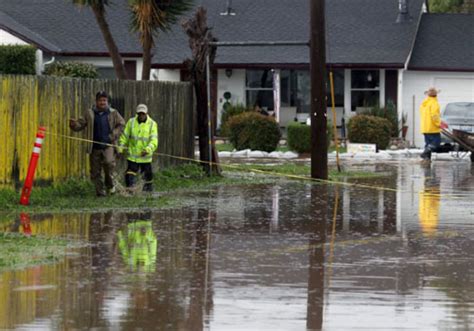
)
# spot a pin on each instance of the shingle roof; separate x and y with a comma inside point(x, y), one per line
point(65, 28)
point(444, 42)
point(360, 32)
point(10, 24)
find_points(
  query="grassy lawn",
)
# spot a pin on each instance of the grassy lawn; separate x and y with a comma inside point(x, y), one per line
point(79, 195)
point(18, 251)
point(295, 169)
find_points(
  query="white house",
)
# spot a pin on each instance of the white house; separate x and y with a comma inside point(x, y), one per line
point(443, 56)
point(379, 51)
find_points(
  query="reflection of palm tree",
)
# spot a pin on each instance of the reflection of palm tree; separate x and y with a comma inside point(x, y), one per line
point(200, 304)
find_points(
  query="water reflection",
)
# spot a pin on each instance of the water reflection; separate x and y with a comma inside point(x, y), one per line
point(287, 256)
point(430, 197)
point(316, 253)
point(138, 245)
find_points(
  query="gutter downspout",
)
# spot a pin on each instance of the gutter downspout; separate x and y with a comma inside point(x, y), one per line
point(39, 62)
point(48, 62)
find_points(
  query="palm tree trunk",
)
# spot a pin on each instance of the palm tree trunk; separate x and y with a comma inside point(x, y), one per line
point(109, 41)
point(146, 57)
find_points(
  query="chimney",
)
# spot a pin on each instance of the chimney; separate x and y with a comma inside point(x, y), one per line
point(228, 11)
point(403, 14)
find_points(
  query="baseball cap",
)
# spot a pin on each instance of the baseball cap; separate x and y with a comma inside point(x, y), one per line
point(141, 108)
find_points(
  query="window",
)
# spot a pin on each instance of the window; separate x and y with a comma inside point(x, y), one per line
point(365, 89)
point(259, 89)
point(296, 89)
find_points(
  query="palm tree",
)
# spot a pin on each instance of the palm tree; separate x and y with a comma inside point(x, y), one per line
point(199, 38)
point(98, 8)
point(149, 16)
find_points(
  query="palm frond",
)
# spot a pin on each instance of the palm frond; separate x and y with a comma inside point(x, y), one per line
point(157, 14)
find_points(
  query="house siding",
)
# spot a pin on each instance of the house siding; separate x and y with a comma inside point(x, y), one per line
point(235, 84)
point(455, 86)
point(9, 39)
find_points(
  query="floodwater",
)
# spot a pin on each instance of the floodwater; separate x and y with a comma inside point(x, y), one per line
point(288, 256)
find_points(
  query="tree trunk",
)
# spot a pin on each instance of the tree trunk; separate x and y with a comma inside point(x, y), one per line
point(199, 38)
point(109, 41)
point(147, 43)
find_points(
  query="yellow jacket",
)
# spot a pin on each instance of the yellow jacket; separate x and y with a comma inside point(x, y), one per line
point(430, 116)
point(139, 137)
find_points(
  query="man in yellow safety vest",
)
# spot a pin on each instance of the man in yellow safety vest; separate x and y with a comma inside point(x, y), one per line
point(141, 138)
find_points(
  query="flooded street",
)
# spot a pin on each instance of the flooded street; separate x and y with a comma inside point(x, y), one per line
point(285, 256)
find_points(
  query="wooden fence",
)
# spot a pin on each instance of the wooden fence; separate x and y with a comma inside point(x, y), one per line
point(27, 102)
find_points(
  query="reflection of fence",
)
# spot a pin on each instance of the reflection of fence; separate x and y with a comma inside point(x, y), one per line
point(29, 101)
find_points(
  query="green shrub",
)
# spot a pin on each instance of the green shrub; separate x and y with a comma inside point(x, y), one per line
point(254, 131)
point(230, 111)
point(389, 112)
point(18, 60)
point(369, 130)
point(299, 136)
point(71, 69)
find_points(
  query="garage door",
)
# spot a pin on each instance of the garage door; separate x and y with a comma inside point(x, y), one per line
point(455, 89)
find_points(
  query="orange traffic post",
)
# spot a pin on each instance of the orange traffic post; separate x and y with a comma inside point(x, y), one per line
point(26, 191)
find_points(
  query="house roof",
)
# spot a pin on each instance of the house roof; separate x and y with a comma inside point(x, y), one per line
point(58, 26)
point(359, 33)
point(444, 42)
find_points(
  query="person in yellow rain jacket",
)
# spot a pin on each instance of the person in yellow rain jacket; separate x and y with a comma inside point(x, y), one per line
point(140, 137)
point(138, 245)
point(430, 123)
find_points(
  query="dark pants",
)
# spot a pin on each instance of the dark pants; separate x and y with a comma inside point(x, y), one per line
point(432, 143)
point(102, 159)
point(132, 173)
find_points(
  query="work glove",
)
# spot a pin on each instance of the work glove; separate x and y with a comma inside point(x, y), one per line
point(144, 153)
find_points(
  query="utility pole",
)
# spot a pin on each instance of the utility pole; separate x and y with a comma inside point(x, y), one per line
point(319, 146)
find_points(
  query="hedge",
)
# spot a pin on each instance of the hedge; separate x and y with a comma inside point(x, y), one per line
point(367, 129)
point(71, 69)
point(299, 136)
point(254, 131)
point(389, 112)
point(17, 60)
point(230, 111)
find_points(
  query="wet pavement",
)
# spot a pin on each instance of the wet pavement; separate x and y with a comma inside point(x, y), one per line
point(288, 256)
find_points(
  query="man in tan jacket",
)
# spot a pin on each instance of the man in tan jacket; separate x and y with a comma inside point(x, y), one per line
point(103, 125)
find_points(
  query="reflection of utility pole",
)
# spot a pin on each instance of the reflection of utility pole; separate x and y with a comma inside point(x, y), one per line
point(319, 202)
point(319, 146)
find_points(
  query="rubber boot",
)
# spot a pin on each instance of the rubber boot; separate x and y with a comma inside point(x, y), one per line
point(130, 179)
